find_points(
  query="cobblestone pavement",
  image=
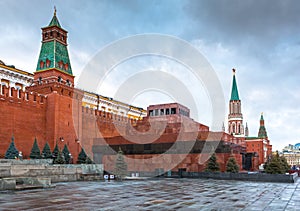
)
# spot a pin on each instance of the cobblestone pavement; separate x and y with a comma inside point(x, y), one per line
point(161, 194)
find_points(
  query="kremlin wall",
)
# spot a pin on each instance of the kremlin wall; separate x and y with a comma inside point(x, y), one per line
point(46, 106)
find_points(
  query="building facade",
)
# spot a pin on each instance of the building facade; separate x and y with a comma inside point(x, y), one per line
point(260, 145)
point(292, 154)
point(235, 116)
point(47, 106)
point(258, 148)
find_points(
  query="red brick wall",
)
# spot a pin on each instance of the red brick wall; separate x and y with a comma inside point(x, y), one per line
point(23, 118)
point(150, 162)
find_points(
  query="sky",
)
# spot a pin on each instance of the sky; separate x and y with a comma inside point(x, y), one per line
point(260, 39)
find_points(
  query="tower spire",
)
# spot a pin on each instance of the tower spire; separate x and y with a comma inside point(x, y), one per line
point(262, 132)
point(54, 52)
point(234, 90)
point(235, 116)
point(54, 63)
point(246, 130)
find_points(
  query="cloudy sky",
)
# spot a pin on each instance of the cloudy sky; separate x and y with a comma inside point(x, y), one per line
point(260, 39)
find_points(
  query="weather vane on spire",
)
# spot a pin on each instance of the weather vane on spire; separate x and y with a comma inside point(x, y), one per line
point(54, 10)
point(233, 70)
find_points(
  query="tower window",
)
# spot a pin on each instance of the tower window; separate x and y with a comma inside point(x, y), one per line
point(42, 63)
point(151, 113)
point(66, 66)
point(233, 128)
point(59, 79)
point(173, 110)
point(161, 111)
point(11, 91)
point(48, 62)
point(60, 64)
point(167, 111)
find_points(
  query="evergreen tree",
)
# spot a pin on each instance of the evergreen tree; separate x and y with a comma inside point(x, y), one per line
point(12, 152)
point(55, 151)
point(66, 154)
point(88, 160)
point(286, 167)
point(212, 165)
point(82, 157)
point(46, 153)
point(35, 151)
point(59, 159)
point(231, 166)
point(276, 165)
point(121, 165)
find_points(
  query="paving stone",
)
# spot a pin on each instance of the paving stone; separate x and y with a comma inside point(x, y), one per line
point(164, 194)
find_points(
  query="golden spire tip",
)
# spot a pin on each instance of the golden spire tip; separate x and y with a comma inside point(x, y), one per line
point(54, 10)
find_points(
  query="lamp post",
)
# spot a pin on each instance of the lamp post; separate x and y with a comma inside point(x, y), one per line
point(78, 142)
point(70, 159)
point(61, 139)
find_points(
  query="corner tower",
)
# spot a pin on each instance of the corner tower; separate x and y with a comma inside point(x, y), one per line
point(54, 62)
point(54, 79)
point(235, 116)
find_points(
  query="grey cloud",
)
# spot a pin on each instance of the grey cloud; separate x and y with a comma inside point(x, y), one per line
point(265, 20)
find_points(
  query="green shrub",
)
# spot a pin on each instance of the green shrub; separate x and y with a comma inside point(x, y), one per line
point(232, 166)
point(12, 152)
point(212, 165)
point(35, 151)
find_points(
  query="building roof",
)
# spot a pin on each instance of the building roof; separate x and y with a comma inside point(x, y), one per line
point(54, 21)
point(54, 52)
point(234, 90)
point(262, 133)
point(14, 69)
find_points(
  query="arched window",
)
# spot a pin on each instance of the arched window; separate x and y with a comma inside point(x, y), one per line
point(19, 88)
point(11, 91)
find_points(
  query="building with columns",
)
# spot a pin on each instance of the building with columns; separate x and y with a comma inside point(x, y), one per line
point(13, 77)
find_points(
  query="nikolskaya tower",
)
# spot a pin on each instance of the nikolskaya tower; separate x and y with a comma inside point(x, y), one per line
point(235, 116)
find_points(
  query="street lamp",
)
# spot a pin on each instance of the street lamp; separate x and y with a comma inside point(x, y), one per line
point(70, 159)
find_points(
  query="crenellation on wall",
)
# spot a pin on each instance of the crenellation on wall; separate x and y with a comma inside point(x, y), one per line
point(19, 96)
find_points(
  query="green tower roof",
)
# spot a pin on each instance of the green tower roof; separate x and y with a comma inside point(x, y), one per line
point(234, 90)
point(56, 54)
point(262, 116)
point(54, 21)
point(54, 51)
point(262, 133)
